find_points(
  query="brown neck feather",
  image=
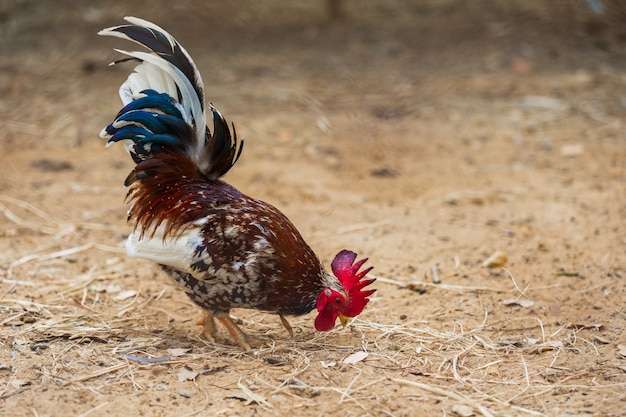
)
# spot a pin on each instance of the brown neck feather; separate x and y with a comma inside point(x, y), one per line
point(164, 190)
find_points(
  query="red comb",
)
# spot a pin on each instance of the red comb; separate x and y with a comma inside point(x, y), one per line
point(347, 271)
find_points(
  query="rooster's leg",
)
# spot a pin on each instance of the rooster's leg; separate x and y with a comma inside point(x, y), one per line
point(238, 335)
point(286, 324)
point(209, 329)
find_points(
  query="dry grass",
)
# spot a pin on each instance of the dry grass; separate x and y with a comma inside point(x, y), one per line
point(92, 334)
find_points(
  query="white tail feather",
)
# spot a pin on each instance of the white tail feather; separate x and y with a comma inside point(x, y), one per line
point(145, 77)
point(148, 76)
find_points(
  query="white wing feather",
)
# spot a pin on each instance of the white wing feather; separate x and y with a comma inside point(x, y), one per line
point(175, 252)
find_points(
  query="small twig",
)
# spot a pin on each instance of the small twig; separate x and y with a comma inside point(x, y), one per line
point(435, 273)
point(137, 385)
point(17, 282)
point(415, 284)
point(97, 373)
point(514, 282)
point(129, 307)
point(344, 393)
point(510, 400)
point(26, 304)
point(105, 248)
point(347, 389)
point(5, 394)
point(455, 360)
point(27, 206)
point(252, 397)
point(487, 365)
point(543, 332)
point(202, 409)
point(525, 371)
point(53, 255)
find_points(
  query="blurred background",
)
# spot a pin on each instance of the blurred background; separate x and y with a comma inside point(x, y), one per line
point(383, 58)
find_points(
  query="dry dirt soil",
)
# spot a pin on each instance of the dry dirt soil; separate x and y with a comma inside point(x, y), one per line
point(426, 135)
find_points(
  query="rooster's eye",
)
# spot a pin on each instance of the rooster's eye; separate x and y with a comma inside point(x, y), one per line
point(338, 301)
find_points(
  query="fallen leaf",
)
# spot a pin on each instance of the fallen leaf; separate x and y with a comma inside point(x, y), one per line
point(413, 371)
point(355, 358)
point(18, 383)
point(462, 410)
point(551, 374)
point(571, 151)
point(111, 289)
point(496, 260)
point(124, 295)
point(187, 374)
point(555, 310)
point(521, 303)
point(327, 365)
point(621, 351)
point(294, 382)
point(601, 339)
point(178, 352)
point(210, 371)
point(516, 343)
point(146, 361)
point(492, 370)
point(276, 360)
point(302, 388)
point(187, 393)
point(553, 345)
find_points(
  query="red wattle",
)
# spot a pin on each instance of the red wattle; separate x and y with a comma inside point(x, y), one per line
point(325, 321)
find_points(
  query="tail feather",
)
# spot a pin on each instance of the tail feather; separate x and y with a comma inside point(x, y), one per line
point(140, 127)
point(222, 146)
point(164, 104)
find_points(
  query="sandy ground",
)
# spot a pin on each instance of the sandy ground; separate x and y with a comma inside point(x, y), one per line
point(422, 134)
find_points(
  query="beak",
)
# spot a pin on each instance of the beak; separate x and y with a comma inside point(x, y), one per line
point(343, 319)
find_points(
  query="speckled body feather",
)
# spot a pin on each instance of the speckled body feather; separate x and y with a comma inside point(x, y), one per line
point(241, 252)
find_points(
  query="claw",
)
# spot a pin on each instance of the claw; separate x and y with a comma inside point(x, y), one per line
point(243, 340)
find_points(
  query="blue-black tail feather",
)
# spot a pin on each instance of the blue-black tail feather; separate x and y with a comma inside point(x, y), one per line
point(222, 146)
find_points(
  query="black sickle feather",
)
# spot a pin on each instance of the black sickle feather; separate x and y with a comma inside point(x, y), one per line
point(222, 147)
point(170, 51)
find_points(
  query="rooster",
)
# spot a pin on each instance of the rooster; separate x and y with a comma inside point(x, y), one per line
point(225, 249)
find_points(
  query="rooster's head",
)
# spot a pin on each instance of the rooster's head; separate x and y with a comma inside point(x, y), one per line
point(333, 304)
